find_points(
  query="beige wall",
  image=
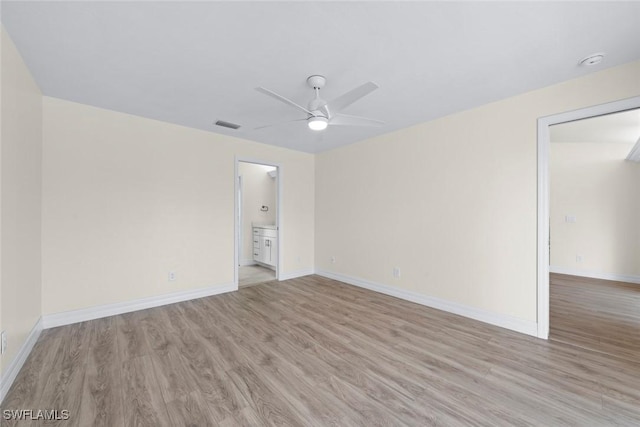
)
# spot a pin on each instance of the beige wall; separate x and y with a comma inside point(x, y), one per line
point(128, 199)
point(258, 189)
point(451, 202)
point(21, 190)
point(594, 183)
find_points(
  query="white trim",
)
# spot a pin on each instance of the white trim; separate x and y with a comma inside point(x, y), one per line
point(247, 262)
point(504, 321)
point(542, 273)
point(84, 314)
point(239, 215)
point(544, 142)
point(595, 274)
point(295, 274)
point(279, 224)
point(14, 367)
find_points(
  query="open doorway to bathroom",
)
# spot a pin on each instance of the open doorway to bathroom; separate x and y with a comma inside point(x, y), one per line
point(258, 242)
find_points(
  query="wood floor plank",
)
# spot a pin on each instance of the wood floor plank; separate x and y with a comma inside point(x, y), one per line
point(74, 347)
point(173, 374)
point(101, 397)
point(142, 399)
point(64, 391)
point(244, 418)
point(102, 389)
point(158, 331)
point(314, 351)
point(270, 408)
point(29, 385)
point(212, 380)
point(190, 410)
point(131, 337)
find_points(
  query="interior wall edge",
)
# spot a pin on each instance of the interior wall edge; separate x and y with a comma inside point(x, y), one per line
point(296, 273)
point(21, 200)
point(504, 321)
point(9, 375)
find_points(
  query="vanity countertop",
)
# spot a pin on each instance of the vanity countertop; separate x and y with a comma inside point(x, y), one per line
point(267, 226)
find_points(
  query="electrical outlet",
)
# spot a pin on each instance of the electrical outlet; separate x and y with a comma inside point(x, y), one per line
point(396, 272)
point(333, 260)
point(298, 260)
point(3, 344)
point(172, 276)
point(570, 218)
point(578, 258)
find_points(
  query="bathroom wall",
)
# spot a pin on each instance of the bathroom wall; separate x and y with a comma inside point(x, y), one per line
point(258, 189)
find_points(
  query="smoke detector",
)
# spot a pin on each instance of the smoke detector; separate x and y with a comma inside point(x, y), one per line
point(594, 59)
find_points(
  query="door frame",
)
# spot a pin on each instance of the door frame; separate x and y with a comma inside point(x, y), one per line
point(239, 217)
point(544, 145)
point(236, 226)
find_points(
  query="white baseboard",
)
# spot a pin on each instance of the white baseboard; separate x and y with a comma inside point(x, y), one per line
point(14, 367)
point(504, 321)
point(84, 314)
point(244, 262)
point(595, 274)
point(295, 274)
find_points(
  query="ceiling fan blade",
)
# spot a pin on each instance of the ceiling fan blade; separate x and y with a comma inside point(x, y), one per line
point(279, 123)
point(346, 120)
point(282, 99)
point(352, 96)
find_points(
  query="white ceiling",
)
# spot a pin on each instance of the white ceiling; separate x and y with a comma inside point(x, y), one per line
point(617, 128)
point(193, 63)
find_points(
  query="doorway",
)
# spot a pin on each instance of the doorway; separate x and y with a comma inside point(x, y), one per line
point(257, 222)
point(543, 217)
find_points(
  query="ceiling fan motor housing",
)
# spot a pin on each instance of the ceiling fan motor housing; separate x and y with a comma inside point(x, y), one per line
point(318, 108)
point(317, 105)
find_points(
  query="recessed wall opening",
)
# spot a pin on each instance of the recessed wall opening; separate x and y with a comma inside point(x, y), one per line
point(257, 223)
point(588, 206)
point(594, 230)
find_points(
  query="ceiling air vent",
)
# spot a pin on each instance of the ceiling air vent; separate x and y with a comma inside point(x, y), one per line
point(227, 124)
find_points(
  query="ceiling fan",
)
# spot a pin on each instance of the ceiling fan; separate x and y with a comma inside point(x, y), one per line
point(321, 113)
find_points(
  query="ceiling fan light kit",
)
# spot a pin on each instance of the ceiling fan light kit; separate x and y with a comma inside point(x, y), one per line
point(317, 123)
point(321, 113)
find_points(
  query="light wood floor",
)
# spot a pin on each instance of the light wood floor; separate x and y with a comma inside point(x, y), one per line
point(251, 274)
point(313, 351)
